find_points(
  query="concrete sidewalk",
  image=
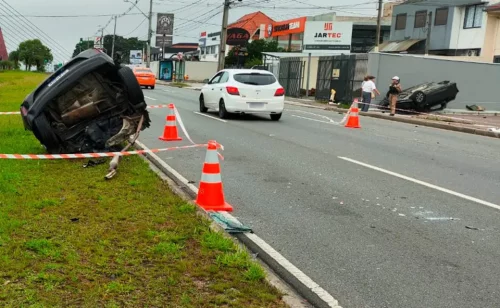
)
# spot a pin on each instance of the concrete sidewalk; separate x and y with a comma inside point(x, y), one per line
point(483, 124)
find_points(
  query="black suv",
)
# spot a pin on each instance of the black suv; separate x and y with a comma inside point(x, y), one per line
point(91, 104)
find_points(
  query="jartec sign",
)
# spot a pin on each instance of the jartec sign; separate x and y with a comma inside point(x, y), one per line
point(237, 37)
point(328, 36)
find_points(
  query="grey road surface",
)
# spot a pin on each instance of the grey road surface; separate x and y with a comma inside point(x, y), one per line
point(367, 236)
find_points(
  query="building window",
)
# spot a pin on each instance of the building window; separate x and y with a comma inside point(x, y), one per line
point(496, 59)
point(401, 21)
point(441, 17)
point(420, 19)
point(473, 16)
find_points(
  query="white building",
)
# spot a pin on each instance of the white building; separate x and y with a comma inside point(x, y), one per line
point(458, 27)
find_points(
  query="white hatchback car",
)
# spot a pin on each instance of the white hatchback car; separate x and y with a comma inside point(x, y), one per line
point(243, 91)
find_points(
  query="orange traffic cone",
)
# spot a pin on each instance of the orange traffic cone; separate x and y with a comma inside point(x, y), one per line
point(170, 130)
point(211, 193)
point(352, 116)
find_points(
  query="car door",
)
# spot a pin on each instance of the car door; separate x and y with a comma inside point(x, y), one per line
point(209, 93)
point(220, 87)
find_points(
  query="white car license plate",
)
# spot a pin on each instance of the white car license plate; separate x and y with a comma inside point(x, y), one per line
point(256, 105)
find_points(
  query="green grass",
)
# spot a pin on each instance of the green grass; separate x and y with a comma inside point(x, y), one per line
point(180, 84)
point(70, 238)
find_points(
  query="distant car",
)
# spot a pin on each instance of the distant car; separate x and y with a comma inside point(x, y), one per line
point(243, 91)
point(145, 77)
point(426, 96)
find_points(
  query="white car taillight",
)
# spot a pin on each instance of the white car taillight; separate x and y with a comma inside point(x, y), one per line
point(232, 91)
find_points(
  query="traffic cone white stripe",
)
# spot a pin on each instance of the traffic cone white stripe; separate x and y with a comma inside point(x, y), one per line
point(211, 178)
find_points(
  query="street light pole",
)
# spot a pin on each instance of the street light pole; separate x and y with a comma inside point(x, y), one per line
point(379, 19)
point(113, 44)
point(223, 36)
point(148, 57)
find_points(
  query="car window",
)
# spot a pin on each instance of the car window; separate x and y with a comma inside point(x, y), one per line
point(257, 79)
point(224, 78)
point(216, 78)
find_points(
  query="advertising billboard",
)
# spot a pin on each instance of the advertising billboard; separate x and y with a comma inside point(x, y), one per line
point(160, 40)
point(164, 29)
point(290, 26)
point(136, 57)
point(166, 70)
point(328, 36)
point(202, 42)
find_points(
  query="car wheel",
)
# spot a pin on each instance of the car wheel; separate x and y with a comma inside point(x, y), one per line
point(276, 116)
point(152, 87)
point(134, 91)
point(223, 114)
point(420, 97)
point(203, 109)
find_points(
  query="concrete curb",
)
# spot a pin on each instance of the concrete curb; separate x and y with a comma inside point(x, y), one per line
point(294, 291)
point(444, 126)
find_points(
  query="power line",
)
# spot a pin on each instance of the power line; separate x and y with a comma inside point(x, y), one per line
point(27, 34)
point(33, 26)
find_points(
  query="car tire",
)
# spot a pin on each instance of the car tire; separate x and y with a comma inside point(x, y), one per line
point(276, 116)
point(153, 87)
point(134, 91)
point(203, 109)
point(223, 114)
point(420, 97)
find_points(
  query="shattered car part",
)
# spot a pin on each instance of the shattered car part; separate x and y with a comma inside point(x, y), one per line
point(91, 104)
point(424, 97)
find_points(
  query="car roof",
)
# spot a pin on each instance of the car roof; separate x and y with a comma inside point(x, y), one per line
point(246, 71)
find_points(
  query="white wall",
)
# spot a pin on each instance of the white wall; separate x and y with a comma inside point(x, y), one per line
point(155, 67)
point(466, 38)
point(199, 71)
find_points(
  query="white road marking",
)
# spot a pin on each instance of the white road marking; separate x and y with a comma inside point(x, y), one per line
point(316, 120)
point(312, 113)
point(167, 90)
point(153, 99)
point(213, 118)
point(280, 259)
point(404, 177)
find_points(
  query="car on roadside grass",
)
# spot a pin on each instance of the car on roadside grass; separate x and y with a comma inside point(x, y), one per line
point(145, 77)
point(243, 91)
point(91, 104)
point(425, 96)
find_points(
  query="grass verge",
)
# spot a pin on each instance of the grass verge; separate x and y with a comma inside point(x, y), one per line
point(70, 238)
point(180, 84)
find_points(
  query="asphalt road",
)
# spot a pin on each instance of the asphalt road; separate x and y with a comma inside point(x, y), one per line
point(363, 233)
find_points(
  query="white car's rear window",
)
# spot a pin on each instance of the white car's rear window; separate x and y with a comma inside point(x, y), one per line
point(256, 79)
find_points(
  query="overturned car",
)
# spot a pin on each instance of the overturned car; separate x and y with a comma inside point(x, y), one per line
point(425, 97)
point(91, 104)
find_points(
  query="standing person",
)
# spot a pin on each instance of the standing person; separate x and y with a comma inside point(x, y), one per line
point(394, 90)
point(369, 89)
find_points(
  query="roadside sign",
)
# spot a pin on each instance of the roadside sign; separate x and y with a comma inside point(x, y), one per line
point(98, 44)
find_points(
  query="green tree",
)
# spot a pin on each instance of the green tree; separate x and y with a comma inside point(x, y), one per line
point(123, 45)
point(14, 58)
point(34, 53)
point(254, 50)
point(6, 65)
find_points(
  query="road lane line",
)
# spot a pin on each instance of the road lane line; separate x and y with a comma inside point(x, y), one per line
point(153, 99)
point(275, 255)
point(206, 115)
point(404, 177)
point(316, 120)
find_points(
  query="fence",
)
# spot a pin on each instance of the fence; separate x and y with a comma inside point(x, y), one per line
point(343, 73)
point(291, 72)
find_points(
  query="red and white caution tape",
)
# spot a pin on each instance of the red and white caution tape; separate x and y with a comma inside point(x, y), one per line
point(148, 107)
point(94, 155)
point(184, 130)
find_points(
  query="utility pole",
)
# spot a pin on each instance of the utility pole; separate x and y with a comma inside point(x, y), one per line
point(148, 52)
point(379, 21)
point(428, 40)
point(113, 44)
point(223, 36)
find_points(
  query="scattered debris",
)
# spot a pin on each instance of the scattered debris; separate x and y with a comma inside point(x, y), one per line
point(471, 228)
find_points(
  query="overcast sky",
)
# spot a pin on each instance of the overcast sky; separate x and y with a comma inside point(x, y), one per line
point(191, 17)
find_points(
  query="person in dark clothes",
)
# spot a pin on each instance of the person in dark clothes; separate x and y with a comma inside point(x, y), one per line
point(394, 90)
